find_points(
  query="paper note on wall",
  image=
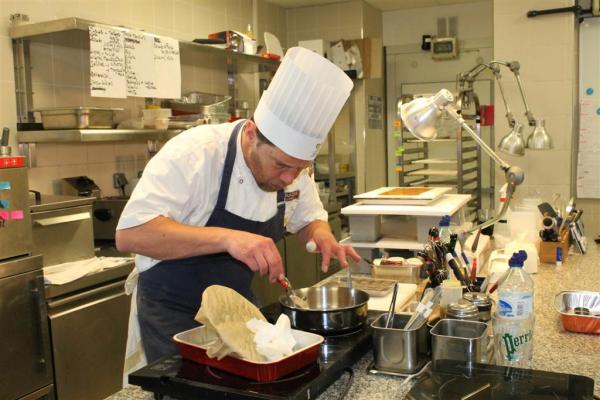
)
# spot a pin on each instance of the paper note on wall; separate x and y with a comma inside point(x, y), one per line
point(139, 64)
point(167, 68)
point(107, 63)
point(588, 157)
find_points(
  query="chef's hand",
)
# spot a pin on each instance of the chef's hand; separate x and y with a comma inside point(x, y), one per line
point(329, 247)
point(258, 252)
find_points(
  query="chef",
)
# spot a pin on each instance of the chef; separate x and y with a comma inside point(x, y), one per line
point(214, 200)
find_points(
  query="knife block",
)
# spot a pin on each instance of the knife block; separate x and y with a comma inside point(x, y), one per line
point(548, 249)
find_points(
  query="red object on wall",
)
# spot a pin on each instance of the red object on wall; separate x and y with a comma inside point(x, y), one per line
point(12, 162)
point(487, 115)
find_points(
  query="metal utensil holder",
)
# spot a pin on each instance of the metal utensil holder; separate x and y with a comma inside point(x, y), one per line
point(460, 340)
point(399, 350)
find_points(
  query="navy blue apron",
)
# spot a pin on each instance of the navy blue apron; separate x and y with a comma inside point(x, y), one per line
point(170, 292)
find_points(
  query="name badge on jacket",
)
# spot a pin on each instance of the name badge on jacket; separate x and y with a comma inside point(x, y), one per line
point(290, 196)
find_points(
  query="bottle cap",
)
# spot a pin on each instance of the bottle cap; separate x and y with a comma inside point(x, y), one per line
point(516, 260)
point(445, 221)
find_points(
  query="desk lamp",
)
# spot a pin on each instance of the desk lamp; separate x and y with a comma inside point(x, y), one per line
point(420, 116)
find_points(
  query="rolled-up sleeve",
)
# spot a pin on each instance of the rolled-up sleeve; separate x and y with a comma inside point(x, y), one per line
point(309, 206)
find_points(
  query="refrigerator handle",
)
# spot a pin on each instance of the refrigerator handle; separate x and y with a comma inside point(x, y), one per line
point(37, 294)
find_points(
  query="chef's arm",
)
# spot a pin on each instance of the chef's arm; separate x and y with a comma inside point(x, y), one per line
point(164, 239)
point(320, 232)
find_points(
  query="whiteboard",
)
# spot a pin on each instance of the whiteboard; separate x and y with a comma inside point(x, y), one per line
point(588, 157)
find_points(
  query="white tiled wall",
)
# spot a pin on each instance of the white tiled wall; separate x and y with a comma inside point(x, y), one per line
point(342, 20)
point(61, 71)
point(406, 27)
point(547, 49)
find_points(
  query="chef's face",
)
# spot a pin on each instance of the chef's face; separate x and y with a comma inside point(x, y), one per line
point(273, 169)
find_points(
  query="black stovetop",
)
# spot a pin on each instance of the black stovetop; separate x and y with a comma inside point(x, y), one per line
point(183, 379)
point(450, 380)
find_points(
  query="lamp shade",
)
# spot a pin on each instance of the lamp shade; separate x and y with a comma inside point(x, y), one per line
point(421, 114)
point(539, 138)
point(513, 143)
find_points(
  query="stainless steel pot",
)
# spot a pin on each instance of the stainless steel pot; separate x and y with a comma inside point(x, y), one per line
point(331, 310)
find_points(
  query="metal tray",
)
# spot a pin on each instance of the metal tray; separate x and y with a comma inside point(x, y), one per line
point(191, 346)
point(77, 117)
point(579, 310)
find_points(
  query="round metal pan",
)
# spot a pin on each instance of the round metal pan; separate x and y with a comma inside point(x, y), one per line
point(332, 310)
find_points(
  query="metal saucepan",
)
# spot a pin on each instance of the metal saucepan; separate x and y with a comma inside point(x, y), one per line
point(331, 310)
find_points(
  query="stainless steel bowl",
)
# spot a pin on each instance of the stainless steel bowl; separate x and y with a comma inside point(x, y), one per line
point(330, 309)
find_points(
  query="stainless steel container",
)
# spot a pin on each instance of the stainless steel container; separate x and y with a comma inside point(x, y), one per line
point(454, 339)
point(201, 103)
point(398, 350)
point(462, 310)
point(330, 309)
point(77, 117)
point(483, 303)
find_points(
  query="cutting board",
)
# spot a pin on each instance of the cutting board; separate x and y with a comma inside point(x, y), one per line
point(406, 291)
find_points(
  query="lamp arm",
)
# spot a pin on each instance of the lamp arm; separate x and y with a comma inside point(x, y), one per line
point(509, 115)
point(514, 175)
point(479, 140)
point(528, 113)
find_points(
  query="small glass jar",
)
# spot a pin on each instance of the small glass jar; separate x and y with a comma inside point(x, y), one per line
point(462, 310)
point(483, 303)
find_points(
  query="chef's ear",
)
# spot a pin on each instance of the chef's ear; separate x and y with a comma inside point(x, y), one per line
point(250, 130)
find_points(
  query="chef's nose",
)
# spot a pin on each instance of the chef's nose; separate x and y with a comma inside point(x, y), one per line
point(288, 176)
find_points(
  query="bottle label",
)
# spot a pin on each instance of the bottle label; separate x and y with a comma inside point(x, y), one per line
point(515, 305)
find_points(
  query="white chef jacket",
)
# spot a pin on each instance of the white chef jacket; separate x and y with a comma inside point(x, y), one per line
point(182, 182)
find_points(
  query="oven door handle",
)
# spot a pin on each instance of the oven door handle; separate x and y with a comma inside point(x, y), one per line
point(98, 294)
point(63, 219)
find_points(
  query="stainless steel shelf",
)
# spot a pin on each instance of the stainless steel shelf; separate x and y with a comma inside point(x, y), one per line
point(344, 175)
point(32, 31)
point(95, 135)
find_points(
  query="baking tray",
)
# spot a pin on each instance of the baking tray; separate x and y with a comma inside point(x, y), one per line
point(77, 117)
point(579, 310)
point(414, 195)
point(192, 347)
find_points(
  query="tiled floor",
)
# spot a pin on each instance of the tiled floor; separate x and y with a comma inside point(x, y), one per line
point(131, 393)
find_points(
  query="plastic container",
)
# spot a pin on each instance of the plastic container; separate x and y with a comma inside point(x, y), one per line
point(192, 348)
